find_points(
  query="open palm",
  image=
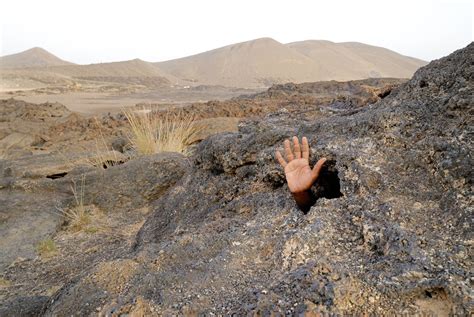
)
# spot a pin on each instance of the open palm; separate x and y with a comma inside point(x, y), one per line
point(299, 175)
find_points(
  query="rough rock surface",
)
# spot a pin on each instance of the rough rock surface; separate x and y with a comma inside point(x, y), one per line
point(25, 220)
point(27, 128)
point(227, 237)
point(32, 202)
point(299, 97)
point(133, 184)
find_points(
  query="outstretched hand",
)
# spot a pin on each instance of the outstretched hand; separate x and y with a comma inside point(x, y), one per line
point(299, 175)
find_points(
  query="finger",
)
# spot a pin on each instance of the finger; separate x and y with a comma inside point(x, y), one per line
point(305, 150)
point(296, 147)
point(317, 169)
point(289, 154)
point(280, 159)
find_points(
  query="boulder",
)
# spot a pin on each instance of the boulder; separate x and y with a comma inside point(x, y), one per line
point(131, 185)
point(32, 203)
point(57, 164)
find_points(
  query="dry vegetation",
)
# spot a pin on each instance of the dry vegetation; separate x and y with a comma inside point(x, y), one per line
point(78, 216)
point(153, 132)
point(46, 248)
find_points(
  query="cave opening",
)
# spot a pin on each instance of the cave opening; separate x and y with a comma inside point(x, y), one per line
point(56, 175)
point(384, 93)
point(328, 184)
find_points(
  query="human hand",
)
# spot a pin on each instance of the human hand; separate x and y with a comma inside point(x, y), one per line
point(299, 175)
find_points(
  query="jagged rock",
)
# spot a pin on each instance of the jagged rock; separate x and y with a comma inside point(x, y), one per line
point(297, 97)
point(46, 127)
point(228, 239)
point(12, 110)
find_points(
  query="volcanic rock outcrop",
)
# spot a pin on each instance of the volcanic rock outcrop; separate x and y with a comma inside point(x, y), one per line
point(390, 231)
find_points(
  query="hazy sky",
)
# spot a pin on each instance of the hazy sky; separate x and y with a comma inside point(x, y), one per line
point(86, 31)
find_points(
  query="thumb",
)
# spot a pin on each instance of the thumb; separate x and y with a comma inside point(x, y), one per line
point(317, 168)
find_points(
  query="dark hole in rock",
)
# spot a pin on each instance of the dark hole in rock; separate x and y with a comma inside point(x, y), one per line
point(328, 184)
point(384, 94)
point(57, 175)
point(436, 292)
point(423, 83)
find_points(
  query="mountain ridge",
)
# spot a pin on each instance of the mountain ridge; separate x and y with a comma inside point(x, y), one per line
point(256, 63)
point(267, 61)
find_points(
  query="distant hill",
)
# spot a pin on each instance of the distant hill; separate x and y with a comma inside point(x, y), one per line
point(352, 60)
point(131, 68)
point(264, 61)
point(116, 72)
point(34, 57)
point(132, 72)
point(253, 64)
point(260, 62)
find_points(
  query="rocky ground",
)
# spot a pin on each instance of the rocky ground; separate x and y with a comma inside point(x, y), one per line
point(217, 232)
point(97, 97)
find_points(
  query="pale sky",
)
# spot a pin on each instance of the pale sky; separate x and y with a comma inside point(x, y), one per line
point(95, 31)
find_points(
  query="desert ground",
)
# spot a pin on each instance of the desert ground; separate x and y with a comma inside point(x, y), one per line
point(96, 222)
point(97, 102)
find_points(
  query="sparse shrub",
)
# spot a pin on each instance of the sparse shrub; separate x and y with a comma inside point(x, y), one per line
point(46, 248)
point(78, 217)
point(153, 132)
point(81, 216)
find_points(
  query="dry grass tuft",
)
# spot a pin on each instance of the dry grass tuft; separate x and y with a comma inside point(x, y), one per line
point(46, 248)
point(78, 217)
point(81, 216)
point(153, 132)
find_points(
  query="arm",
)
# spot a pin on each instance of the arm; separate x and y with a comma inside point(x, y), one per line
point(299, 176)
point(304, 200)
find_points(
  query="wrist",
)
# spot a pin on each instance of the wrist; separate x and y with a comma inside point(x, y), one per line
point(300, 191)
point(304, 199)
